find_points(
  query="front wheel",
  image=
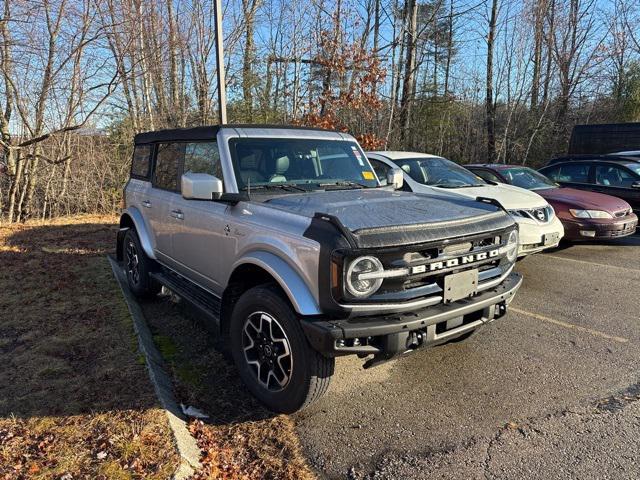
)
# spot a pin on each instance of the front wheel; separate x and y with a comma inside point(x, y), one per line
point(272, 354)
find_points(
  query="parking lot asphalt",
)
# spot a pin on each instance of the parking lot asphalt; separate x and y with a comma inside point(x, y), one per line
point(550, 391)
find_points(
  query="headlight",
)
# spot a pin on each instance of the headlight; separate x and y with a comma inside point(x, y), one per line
point(590, 214)
point(364, 276)
point(518, 213)
point(512, 246)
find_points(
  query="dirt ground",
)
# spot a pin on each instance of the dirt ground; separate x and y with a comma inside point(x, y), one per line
point(240, 439)
point(75, 397)
point(557, 379)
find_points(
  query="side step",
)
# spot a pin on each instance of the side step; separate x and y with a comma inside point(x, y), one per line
point(206, 303)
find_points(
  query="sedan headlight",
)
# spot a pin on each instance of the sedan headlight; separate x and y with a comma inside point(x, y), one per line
point(518, 213)
point(364, 276)
point(590, 214)
point(512, 246)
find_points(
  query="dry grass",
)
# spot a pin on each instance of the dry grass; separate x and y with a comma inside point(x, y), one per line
point(75, 402)
point(240, 440)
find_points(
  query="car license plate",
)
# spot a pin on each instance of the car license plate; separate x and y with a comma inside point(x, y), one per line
point(550, 238)
point(460, 285)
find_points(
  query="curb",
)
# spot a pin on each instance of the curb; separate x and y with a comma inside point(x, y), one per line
point(162, 384)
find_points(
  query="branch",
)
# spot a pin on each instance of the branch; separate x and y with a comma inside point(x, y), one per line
point(78, 126)
point(41, 138)
point(48, 160)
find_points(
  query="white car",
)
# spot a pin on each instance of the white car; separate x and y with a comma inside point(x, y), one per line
point(539, 227)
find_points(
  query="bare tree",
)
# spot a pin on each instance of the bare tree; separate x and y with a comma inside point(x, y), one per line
point(489, 102)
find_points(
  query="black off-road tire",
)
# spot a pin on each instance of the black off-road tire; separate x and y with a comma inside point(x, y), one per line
point(310, 372)
point(138, 266)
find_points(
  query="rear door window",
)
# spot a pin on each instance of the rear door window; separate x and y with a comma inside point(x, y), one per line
point(169, 159)
point(141, 161)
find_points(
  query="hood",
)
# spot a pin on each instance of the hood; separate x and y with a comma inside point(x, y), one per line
point(509, 196)
point(380, 217)
point(585, 200)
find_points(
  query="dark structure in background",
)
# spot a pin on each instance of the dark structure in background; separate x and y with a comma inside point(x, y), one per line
point(604, 138)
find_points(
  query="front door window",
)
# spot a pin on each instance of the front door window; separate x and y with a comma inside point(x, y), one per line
point(613, 176)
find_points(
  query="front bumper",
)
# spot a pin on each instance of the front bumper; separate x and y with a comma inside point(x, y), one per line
point(389, 335)
point(595, 228)
point(532, 235)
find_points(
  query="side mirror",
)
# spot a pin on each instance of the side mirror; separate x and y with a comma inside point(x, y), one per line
point(395, 177)
point(201, 186)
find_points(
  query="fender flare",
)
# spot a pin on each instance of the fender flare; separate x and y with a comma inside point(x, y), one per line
point(138, 222)
point(287, 278)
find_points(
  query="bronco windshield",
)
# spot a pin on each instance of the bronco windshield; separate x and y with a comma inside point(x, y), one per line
point(528, 178)
point(439, 172)
point(299, 164)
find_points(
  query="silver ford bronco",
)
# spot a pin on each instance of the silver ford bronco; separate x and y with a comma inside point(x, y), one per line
point(287, 242)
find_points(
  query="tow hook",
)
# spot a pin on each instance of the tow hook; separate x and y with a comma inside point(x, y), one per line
point(501, 309)
point(415, 340)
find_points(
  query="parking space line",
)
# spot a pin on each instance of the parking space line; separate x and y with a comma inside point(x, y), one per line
point(570, 326)
point(592, 263)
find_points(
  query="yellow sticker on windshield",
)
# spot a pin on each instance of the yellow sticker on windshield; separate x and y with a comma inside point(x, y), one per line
point(368, 175)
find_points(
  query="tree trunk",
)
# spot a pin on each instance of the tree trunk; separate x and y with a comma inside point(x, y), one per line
point(249, 10)
point(489, 103)
point(174, 112)
point(447, 70)
point(409, 80)
point(550, 42)
point(539, 11)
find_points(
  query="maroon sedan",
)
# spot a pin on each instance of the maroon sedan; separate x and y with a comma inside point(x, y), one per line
point(584, 215)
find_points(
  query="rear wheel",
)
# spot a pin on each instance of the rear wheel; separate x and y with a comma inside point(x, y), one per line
point(272, 355)
point(138, 266)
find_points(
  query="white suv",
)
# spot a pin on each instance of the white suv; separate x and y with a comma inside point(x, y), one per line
point(423, 173)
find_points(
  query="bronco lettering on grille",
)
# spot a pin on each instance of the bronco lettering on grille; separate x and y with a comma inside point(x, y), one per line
point(454, 262)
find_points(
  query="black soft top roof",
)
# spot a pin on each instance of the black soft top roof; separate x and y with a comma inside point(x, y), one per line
point(173, 134)
point(208, 132)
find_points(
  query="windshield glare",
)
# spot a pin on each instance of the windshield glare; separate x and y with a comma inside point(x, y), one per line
point(635, 167)
point(525, 177)
point(310, 164)
point(439, 172)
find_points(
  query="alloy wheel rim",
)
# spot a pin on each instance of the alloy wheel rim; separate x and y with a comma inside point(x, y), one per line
point(267, 351)
point(133, 263)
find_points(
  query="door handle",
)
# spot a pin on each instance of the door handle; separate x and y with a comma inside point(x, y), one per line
point(177, 214)
point(146, 203)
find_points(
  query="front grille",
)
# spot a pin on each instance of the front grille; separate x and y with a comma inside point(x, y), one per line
point(623, 233)
point(481, 252)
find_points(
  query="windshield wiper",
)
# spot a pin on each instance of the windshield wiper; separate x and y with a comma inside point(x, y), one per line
point(277, 186)
point(345, 183)
point(453, 185)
